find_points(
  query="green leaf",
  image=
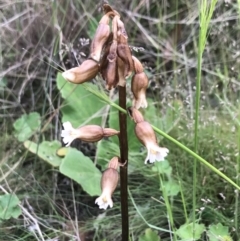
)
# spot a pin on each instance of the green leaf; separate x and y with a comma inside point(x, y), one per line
point(81, 169)
point(80, 106)
point(171, 187)
point(162, 167)
point(218, 232)
point(26, 126)
point(149, 235)
point(9, 206)
point(185, 232)
point(106, 150)
point(45, 150)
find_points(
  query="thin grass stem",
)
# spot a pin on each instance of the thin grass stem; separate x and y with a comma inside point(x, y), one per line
point(205, 13)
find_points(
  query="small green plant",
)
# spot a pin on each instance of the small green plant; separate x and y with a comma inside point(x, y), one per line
point(9, 207)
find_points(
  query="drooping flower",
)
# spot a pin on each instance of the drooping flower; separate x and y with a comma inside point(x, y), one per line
point(147, 137)
point(101, 36)
point(155, 153)
point(69, 133)
point(139, 85)
point(88, 133)
point(85, 72)
point(108, 185)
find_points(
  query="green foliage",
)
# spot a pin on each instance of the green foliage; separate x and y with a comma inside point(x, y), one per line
point(185, 232)
point(218, 232)
point(45, 150)
point(82, 170)
point(167, 121)
point(162, 167)
point(106, 149)
point(171, 187)
point(26, 126)
point(9, 206)
point(149, 235)
point(80, 106)
point(74, 164)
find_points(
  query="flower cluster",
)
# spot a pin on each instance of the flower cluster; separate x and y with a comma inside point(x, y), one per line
point(111, 56)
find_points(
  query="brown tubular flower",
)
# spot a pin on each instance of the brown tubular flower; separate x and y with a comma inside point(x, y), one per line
point(86, 71)
point(108, 184)
point(101, 36)
point(139, 85)
point(123, 50)
point(111, 71)
point(135, 115)
point(88, 133)
point(147, 137)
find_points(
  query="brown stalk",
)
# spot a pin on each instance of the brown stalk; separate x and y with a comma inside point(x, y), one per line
point(123, 141)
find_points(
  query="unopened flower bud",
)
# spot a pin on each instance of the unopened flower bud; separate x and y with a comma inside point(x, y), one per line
point(101, 36)
point(108, 185)
point(107, 8)
point(139, 85)
point(147, 137)
point(88, 133)
point(86, 71)
point(135, 114)
point(111, 71)
point(124, 53)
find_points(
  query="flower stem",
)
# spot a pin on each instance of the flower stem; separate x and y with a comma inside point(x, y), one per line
point(123, 141)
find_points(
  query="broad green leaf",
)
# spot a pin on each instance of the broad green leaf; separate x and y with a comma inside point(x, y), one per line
point(185, 232)
point(218, 232)
point(149, 235)
point(45, 150)
point(9, 206)
point(171, 187)
point(26, 126)
point(80, 106)
point(81, 169)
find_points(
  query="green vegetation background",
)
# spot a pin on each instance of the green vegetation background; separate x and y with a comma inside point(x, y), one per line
point(38, 39)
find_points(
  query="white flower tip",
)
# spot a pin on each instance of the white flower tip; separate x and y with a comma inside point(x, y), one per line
point(67, 125)
point(156, 153)
point(103, 202)
point(68, 75)
point(69, 133)
point(140, 103)
point(162, 153)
